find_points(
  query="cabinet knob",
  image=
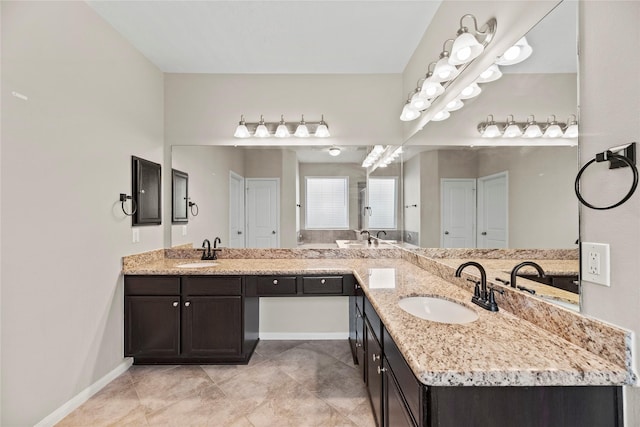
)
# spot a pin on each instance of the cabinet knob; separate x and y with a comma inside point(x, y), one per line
point(375, 357)
point(275, 281)
point(381, 370)
point(359, 316)
point(187, 304)
point(175, 303)
point(322, 281)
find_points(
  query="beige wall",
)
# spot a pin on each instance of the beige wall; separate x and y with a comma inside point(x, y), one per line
point(609, 106)
point(66, 155)
point(411, 193)
point(288, 197)
point(430, 200)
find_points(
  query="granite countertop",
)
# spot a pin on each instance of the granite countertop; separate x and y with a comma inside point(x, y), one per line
point(498, 349)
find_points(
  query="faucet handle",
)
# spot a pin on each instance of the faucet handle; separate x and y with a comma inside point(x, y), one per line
point(493, 305)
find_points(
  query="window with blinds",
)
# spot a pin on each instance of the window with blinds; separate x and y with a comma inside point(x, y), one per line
point(383, 200)
point(327, 202)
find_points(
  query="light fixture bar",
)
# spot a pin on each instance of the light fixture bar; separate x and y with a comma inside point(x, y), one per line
point(291, 127)
point(492, 129)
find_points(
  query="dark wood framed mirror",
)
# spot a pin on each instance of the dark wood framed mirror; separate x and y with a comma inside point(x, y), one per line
point(180, 196)
point(146, 180)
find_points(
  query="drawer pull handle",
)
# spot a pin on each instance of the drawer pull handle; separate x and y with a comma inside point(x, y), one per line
point(187, 304)
point(322, 281)
point(381, 370)
point(275, 281)
point(175, 303)
point(375, 357)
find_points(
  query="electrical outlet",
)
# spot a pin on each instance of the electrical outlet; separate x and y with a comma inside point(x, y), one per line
point(184, 230)
point(135, 235)
point(595, 263)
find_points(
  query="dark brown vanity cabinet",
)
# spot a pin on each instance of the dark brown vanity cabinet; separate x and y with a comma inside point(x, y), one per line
point(399, 399)
point(189, 319)
point(306, 285)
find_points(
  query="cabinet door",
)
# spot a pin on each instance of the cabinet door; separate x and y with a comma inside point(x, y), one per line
point(374, 373)
point(359, 344)
point(212, 326)
point(396, 413)
point(152, 325)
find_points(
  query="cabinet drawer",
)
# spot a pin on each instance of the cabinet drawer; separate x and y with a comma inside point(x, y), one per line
point(276, 285)
point(409, 385)
point(151, 285)
point(322, 285)
point(211, 285)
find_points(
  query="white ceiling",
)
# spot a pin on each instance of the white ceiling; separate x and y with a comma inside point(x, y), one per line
point(272, 36)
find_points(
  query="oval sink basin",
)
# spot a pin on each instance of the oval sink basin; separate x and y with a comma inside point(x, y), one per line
point(198, 264)
point(438, 310)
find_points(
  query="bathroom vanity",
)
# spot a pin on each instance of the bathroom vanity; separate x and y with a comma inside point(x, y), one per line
point(500, 370)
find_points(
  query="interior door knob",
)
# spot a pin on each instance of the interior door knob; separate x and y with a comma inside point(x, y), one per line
point(484, 233)
point(446, 232)
point(239, 232)
point(273, 232)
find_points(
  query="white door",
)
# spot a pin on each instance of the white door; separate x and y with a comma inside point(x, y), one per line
point(458, 214)
point(236, 211)
point(263, 200)
point(493, 211)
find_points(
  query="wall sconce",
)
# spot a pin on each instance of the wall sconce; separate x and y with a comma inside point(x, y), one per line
point(529, 129)
point(282, 129)
point(373, 156)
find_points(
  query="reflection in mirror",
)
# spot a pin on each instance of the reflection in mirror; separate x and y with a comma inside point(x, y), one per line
point(180, 196)
point(273, 197)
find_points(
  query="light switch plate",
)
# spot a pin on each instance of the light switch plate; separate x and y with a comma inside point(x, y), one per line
point(595, 263)
point(135, 235)
point(184, 230)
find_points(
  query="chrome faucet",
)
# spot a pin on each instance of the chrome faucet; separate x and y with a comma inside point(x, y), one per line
point(378, 233)
point(482, 297)
point(368, 235)
point(517, 268)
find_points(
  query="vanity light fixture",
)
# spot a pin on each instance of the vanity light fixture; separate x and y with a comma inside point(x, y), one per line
point(373, 156)
point(454, 105)
point(553, 130)
point(281, 129)
point(516, 53)
point(491, 74)
point(571, 131)
point(513, 129)
point(441, 115)
point(532, 128)
point(469, 43)
point(470, 91)
point(241, 130)
point(301, 130)
point(322, 131)
point(261, 130)
point(466, 46)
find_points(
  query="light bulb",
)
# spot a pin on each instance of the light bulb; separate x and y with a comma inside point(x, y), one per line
point(409, 113)
point(465, 48)
point(491, 74)
point(241, 130)
point(419, 102)
point(470, 91)
point(282, 131)
point(512, 130)
point(516, 53)
point(443, 70)
point(431, 89)
point(491, 131)
point(322, 131)
point(441, 115)
point(571, 131)
point(454, 105)
point(532, 130)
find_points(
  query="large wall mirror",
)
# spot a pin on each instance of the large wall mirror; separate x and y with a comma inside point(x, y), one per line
point(541, 209)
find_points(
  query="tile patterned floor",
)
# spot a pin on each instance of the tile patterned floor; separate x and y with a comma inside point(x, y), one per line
point(287, 383)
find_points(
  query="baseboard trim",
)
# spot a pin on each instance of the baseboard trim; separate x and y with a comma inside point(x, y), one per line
point(304, 335)
point(73, 404)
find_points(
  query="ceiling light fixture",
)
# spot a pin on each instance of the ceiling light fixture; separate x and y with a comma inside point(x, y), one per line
point(334, 151)
point(512, 129)
point(281, 129)
point(469, 44)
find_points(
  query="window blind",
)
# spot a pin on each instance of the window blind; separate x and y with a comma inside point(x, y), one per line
point(327, 202)
point(383, 201)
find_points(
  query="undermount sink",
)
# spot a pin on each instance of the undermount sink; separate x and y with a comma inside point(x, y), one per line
point(438, 310)
point(197, 264)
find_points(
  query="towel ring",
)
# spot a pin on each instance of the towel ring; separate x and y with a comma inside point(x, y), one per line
point(602, 157)
point(123, 199)
point(191, 205)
